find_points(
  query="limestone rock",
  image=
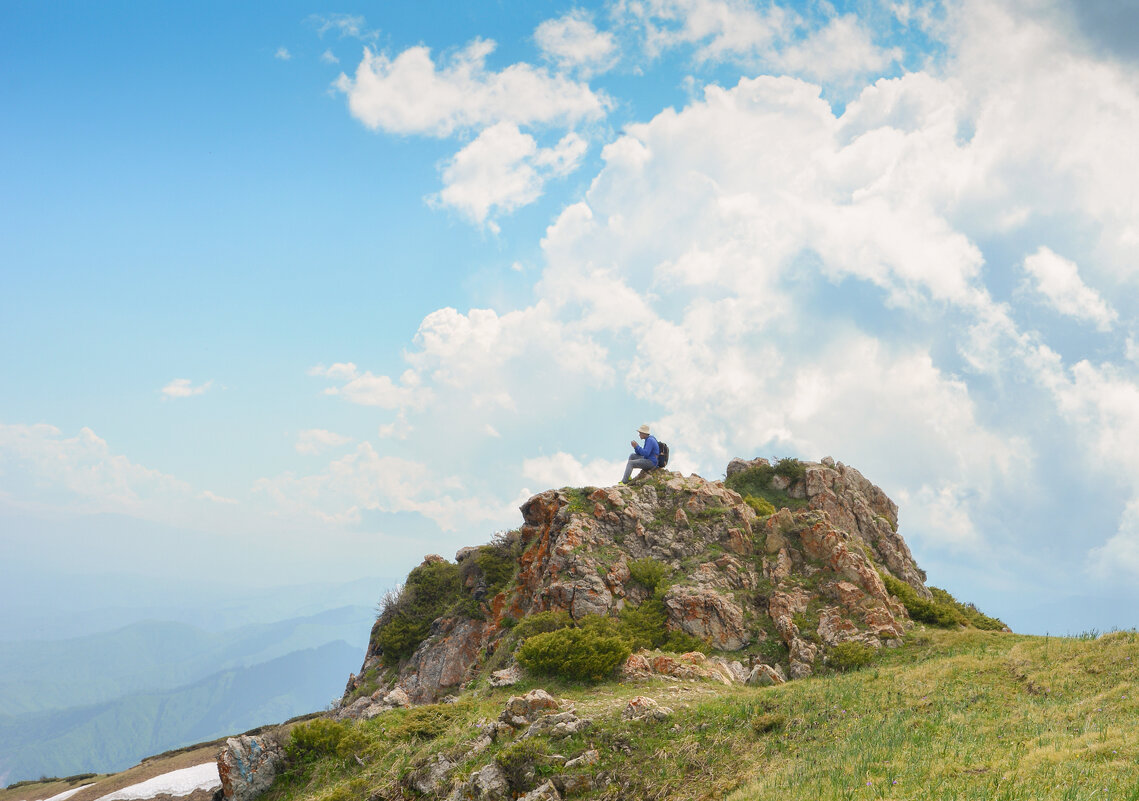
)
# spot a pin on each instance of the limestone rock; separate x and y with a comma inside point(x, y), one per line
point(505, 678)
point(247, 765)
point(590, 757)
point(642, 707)
point(543, 792)
point(432, 777)
point(487, 784)
point(765, 675)
point(522, 710)
point(707, 615)
point(557, 726)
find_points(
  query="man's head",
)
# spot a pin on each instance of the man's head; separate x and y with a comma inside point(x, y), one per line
point(643, 432)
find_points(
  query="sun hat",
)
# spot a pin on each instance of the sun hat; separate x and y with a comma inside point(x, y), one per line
point(643, 429)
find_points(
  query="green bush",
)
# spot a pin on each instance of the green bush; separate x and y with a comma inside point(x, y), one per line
point(850, 656)
point(681, 642)
point(648, 572)
point(762, 507)
point(423, 722)
point(645, 625)
point(321, 737)
point(944, 611)
point(755, 482)
point(590, 652)
point(790, 468)
point(519, 761)
point(405, 621)
point(540, 623)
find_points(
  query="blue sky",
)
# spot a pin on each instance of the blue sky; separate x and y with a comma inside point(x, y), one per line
point(303, 290)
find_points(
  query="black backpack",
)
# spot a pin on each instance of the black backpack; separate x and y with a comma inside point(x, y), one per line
point(662, 458)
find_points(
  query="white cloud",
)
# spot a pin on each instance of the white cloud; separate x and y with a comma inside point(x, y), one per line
point(283, 54)
point(184, 388)
point(315, 440)
point(344, 25)
point(565, 470)
point(328, 57)
point(718, 29)
point(1058, 280)
point(841, 51)
point(365, 480)
point(83, 475)
point(368, 389)
point(504, 169)
point(411, 94)
point(573, 42)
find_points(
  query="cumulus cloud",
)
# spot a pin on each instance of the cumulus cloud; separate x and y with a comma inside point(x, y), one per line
point(717, 29)
point(1058, 280)
point(412, 94)
point(328, 57)
point(82, 474)
point(283, 54)
point(368, 389)
point(344, 25)
point(841, 50)
point(365, 480)
point(573, 42)
point(315, 440)
point(504, 169)
point(184, 388)
point(565, 470)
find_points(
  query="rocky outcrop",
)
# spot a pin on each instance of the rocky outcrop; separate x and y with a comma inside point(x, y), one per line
point(247, 765)
point(803, 579)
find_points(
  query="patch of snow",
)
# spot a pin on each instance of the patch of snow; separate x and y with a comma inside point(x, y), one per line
point(69, 793)
point(176, 782)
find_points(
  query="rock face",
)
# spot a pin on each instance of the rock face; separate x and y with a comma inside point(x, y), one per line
point(248, 765)
point(782, 589)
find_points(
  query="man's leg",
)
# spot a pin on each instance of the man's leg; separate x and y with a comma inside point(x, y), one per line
point(634, 463)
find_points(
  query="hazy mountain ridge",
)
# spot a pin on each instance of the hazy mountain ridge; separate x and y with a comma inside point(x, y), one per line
point(112, 736)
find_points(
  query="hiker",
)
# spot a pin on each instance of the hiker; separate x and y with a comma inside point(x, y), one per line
point(645, 457)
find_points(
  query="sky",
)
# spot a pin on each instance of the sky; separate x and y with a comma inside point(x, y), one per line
point(302, 292)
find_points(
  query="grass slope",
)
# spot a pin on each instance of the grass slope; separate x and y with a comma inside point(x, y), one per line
point(950, 715)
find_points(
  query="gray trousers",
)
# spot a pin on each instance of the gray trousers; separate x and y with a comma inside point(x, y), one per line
point(637, 462)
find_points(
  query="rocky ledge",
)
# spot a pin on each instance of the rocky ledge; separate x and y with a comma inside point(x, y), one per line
point(775, 581)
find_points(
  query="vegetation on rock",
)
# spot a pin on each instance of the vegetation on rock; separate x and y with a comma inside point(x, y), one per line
point(943, 610)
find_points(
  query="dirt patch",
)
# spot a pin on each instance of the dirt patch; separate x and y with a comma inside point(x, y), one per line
point(109, 784)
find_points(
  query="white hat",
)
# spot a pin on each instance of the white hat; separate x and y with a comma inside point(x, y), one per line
point(643, 429)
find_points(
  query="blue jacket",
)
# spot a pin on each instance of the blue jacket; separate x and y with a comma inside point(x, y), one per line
point(650, 451)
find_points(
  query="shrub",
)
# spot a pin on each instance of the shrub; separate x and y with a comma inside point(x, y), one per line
point(681, 642)
point(943, 611)
point(405, 622)
point(762, 507)
point(423, 722)
point(519, 762)
point(541, 623)
point(790, 468)
point(645, 625)
point(850, 656)
point(647, 572)
point(321, 737)
point(588, 653)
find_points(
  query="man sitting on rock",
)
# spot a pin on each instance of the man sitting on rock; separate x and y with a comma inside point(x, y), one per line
point(644, 457)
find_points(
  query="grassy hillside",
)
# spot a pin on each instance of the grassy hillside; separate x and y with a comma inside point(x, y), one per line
point(950, 715)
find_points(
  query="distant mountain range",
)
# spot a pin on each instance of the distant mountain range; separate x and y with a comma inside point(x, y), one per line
point(100, 703)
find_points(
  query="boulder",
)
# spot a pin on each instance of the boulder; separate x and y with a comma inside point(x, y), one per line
point(707, 615)
point(543, 792)
point(487, 784)
point(248, 764)
point(765, 675)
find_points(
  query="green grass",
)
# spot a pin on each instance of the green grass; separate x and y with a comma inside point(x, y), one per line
point(952, 714)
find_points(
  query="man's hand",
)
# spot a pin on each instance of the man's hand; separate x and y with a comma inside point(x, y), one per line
point(633, 442)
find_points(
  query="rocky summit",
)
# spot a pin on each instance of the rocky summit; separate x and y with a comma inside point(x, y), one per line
point(768, 572)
